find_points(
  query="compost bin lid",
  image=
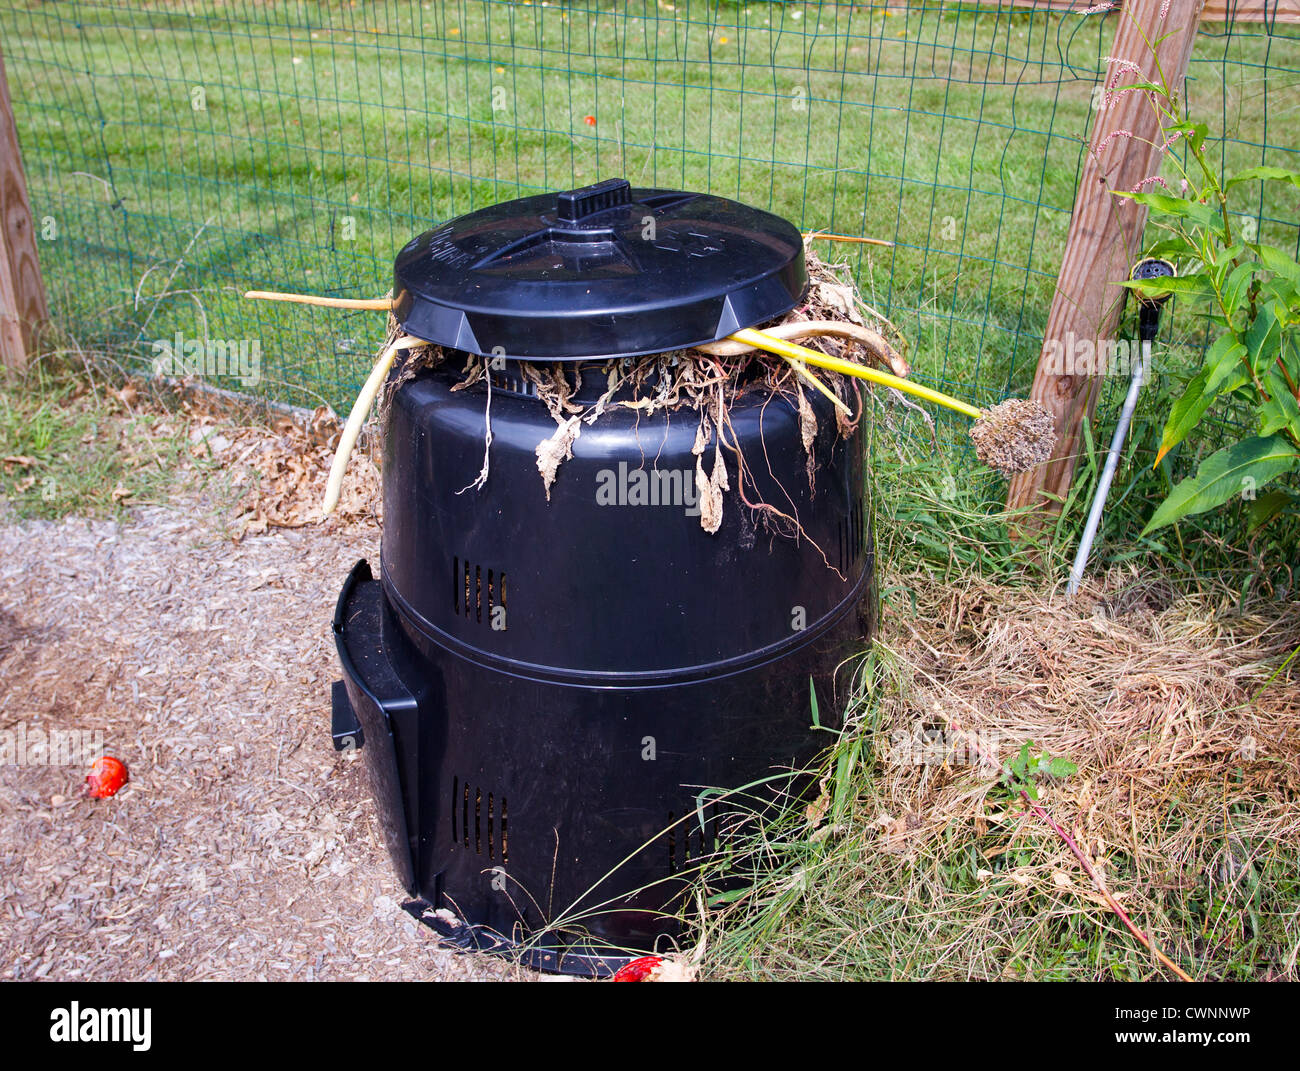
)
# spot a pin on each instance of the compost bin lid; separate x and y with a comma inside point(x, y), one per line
point(602, 271)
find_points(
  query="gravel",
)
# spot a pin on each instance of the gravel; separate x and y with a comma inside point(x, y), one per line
point(244, 846)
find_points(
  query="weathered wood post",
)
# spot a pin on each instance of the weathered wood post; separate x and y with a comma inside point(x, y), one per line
point(22, 293)
point(1105, 235)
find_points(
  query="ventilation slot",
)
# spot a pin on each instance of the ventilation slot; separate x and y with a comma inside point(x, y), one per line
point(476, 591)
point(478, 822)
point(688, 842)
point(491, 826)
point(505, 837)
point(464, 816)
point(853, 535)
point(513, 384)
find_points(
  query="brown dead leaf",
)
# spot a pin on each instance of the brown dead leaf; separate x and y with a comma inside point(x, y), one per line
point(558, 448)
point(816, 811)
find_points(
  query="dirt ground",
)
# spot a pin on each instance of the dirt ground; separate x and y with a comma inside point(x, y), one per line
point(244, 846)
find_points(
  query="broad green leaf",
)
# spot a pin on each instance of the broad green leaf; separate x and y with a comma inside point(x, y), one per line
point(1221, 372)
point(1183, 207)
point(1281, 410)
point(1062, 768)
point(1263, 335)
point(1168, 248)
point(1224, 359)
point(1265, 508)
point(1265, 174)
point(1281, 289)
point(1185, 414)
point(1234, 290)
point(1279, 263)
point(1291, 354)
point(1244, 466)
point(1194, 286)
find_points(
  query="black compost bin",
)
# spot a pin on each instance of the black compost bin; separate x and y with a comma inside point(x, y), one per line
point(542, 688)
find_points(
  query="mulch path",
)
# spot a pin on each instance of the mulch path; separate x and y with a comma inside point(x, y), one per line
point(244, 846)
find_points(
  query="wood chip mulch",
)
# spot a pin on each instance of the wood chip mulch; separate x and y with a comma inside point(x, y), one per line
point(244, 846)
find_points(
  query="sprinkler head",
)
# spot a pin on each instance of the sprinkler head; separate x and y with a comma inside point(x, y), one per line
point(1149, 305)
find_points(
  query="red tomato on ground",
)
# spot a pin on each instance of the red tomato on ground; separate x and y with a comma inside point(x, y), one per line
point(106, 776)
point(638, 970)
point(590, 120)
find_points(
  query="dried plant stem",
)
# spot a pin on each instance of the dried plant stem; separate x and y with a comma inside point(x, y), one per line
point(360, 410)
point(873, 342)
point(1097, 881)
point(366, 304)
point(812, 236)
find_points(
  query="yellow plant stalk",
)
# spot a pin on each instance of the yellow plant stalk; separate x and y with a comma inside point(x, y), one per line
point(792, 350)
point(802, 369)
point(1012, 436)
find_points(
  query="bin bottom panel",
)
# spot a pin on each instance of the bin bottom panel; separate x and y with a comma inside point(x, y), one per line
point(563, 821)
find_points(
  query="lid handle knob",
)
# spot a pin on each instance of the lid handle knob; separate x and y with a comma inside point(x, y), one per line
point(576, 205)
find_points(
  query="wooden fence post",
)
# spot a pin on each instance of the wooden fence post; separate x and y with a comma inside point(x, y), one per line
point(1105, 236)
point(22, 293)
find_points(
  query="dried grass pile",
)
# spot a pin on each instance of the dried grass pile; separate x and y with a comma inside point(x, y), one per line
point(281, 470)
point(274, 465)
point(1184, 729)
point(1182, 716)
point(1154, 700)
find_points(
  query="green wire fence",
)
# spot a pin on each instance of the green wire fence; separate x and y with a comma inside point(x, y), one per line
point(180, 152)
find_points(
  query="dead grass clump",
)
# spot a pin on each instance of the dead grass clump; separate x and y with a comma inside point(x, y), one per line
point(1185, 732)
point(280, 471)
point(1182, 717)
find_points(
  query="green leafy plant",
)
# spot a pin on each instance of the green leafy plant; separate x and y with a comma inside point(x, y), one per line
point(1023, 772)
point(1252, 293)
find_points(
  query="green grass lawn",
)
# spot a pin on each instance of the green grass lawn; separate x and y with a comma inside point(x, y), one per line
point(182, 152)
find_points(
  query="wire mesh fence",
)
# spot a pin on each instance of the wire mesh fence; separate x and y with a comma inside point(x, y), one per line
point(179, 153)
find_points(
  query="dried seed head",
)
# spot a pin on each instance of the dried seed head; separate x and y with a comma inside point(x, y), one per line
point(1014, 436)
